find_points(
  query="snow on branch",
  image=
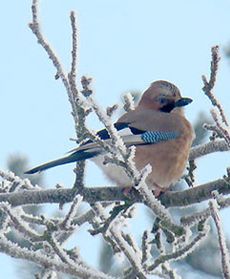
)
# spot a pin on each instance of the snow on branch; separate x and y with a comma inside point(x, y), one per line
point(109, 209)
point(182, 252)
point(112, 194)
point(41, 259)
point(220, 129)
point(17, 223)
point(130, 249)
point(209, 85)
point(12, 181)
point(129, 102)
point(68, 221)
point(208, 148)
point(225, 259)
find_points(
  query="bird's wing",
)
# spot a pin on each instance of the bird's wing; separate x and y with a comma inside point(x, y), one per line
point(151, 120)
point(148, 127)
point(142, 127)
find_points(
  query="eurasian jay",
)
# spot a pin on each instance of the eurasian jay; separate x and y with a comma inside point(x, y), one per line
point(159, 130)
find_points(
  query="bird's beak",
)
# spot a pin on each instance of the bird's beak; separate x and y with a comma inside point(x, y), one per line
point(183, 102)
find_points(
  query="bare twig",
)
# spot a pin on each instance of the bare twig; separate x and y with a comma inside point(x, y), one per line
point(169, 272)
point(190, 178)
point(208, 148)
point(14, 179)
point(36, 29)
point(146, 247)
point(129, 103)
point(224, 132)
point(59, 251)
point(78, 110)
point(225, 259)
point(95, 194)
point(215, 131)
point(196, 194)
point(19, 224)
point(183, 252)
point(209, 85)
point(111, 110)
point(133, 257)
point(77, 270)
point(68, 221)
point(74, 45)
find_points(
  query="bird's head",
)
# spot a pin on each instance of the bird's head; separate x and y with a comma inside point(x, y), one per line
point(163, 96)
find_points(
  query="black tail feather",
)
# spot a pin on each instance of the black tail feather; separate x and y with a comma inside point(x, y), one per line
point(74, 157)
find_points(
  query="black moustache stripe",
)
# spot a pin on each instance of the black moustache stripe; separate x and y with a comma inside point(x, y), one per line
point(168, 108)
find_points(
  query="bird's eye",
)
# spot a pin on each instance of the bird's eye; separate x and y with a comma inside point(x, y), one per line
point(162, 101)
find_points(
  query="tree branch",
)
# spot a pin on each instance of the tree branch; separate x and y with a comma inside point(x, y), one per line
point(111, 194)
point(225, 260)
point(182, 252)
point(79, 271)
point(209, 85)
point(207, 148)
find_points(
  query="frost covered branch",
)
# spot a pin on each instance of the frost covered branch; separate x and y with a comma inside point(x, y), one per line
point(225, 259)
point(221, 129)
point(18, 224)
point(72, 212)
point(69, 81)
point(208, 148)
point(129, 103)
point(128, 247)
point(109, 209)
point(41, 259)
point(111, 194)
point(209, 85)
point(183, 252)
point(14, 182)
point(196, 217)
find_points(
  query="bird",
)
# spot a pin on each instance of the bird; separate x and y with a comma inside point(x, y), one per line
point(158, 129)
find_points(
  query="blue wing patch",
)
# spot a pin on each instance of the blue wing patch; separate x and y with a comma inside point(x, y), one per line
point(156, 136)
point(104, 135)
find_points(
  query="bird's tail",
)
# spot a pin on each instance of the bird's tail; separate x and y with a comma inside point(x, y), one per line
point(92, 149)
point(74, 157)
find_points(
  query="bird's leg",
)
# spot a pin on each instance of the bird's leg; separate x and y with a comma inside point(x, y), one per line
point(157, 191)
point(127, 191)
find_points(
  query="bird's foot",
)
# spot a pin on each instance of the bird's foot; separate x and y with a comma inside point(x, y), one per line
point(157, 191)
point(127, 191)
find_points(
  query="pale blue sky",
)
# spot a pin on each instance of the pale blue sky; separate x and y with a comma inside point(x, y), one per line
point(124, 45)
